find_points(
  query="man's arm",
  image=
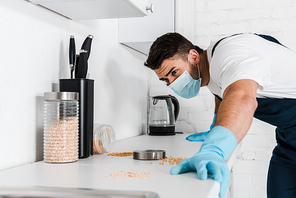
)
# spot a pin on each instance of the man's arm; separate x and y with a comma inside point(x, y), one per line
point(237, 108)
point(234, 117)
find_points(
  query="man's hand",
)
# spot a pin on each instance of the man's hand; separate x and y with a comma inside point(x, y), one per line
point(209, 162)
point(197, 137)
point(206, 165)
point(201, 136)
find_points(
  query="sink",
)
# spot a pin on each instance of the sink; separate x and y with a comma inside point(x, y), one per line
point(54, 192)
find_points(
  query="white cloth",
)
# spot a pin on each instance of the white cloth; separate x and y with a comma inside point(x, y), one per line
point(248, 56)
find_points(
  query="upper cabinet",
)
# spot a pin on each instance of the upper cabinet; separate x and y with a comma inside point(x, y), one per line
point(139, 33)
point(96, 9)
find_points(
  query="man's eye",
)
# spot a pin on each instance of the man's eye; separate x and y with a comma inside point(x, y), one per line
point(174, 72)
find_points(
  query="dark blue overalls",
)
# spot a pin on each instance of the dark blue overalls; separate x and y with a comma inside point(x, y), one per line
point(281, 180)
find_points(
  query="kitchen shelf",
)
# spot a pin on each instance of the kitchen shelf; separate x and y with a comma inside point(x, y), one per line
point(95, 9)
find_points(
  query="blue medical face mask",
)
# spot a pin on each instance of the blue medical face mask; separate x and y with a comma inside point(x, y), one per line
point(185, 86)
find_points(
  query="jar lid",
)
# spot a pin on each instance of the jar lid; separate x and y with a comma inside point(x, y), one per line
point(149, 154)
point(61, 96)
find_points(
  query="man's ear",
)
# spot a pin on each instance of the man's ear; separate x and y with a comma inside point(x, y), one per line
point(193, 56)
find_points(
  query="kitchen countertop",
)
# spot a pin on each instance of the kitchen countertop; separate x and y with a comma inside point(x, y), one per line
point(91, 172)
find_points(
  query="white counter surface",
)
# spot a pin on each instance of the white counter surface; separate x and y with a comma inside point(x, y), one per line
point(91, 172)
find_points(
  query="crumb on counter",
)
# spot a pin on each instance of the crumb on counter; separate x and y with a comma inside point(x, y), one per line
point(132, 174)
point(171, 160)
point(120, 154)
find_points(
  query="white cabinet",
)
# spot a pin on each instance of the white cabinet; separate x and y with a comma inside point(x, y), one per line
point(139, 33)
point(95, 9)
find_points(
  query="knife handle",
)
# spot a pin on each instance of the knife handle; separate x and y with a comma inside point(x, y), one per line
point(72, 53)
point(87, 45)
point(82, 64)
point(72, 50)
point(76, 65)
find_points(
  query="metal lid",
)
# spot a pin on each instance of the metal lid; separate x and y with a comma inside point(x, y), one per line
point(149, 154)
point(61, 96)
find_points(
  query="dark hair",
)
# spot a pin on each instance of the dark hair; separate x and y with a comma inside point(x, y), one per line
point(167, 46)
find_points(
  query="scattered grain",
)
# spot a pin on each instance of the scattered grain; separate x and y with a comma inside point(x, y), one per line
point(120, 154)
point(131, 174)
point(171, 160)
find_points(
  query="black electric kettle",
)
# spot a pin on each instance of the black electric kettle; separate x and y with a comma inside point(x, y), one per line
point(163, 113)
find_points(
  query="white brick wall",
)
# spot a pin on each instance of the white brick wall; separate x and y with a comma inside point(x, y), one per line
point(214, 19)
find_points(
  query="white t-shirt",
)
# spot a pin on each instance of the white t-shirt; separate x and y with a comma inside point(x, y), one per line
point(248, 56)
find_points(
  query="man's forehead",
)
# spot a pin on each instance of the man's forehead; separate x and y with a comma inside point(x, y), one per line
point(165, 65)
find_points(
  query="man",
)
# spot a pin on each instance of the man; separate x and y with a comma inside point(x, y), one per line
point(250, 75)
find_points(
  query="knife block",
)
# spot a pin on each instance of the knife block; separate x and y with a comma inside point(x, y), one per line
point(85, 88)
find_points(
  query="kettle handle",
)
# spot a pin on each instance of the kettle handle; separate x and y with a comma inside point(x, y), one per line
point(176, 106)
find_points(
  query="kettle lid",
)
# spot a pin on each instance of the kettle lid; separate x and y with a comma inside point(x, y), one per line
point(162, 97)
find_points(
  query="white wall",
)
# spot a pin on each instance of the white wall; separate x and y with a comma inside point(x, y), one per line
point(205, 20)
point(34, 55)
point(215, 19)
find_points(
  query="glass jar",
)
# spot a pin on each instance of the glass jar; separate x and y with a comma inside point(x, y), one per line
point(60, 127)
point(104, 138)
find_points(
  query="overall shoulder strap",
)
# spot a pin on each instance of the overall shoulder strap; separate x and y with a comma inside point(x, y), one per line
point(216, 44)
point(267, 37)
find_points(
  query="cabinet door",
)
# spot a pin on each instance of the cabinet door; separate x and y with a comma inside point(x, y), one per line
point(95, 9)
point(139, 33)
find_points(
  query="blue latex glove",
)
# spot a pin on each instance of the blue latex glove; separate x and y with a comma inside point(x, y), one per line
point(201, 136)
point(209, 162)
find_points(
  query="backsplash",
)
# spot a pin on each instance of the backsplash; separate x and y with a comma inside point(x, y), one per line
point(34, 52)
